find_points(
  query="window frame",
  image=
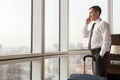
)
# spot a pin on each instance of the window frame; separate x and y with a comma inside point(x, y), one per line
point(37, 58)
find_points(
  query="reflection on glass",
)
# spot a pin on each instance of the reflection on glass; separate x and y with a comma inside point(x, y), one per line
point(76, 64)
point(18, 71)
point(15, 26)
point(116, 16)
point(77, 17)
point(52, 69)
point(51, 25)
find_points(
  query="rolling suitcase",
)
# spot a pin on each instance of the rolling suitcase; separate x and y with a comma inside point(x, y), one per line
point(76, 76)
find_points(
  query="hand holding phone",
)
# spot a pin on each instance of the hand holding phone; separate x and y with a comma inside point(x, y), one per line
point(88, 20)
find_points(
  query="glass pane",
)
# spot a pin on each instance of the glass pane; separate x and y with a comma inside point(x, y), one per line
point(18, 71)
point(78, 11)
point(15, 26)
point(51, 25)
point(76, 64)
point(52, 69)
point(116, 16)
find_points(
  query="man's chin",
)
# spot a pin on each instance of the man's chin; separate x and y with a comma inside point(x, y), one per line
point(92, 19)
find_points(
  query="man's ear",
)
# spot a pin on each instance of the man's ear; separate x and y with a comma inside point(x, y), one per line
point(97, 12)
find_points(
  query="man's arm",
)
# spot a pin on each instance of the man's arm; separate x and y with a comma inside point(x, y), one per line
point(85, 29)
point(106, 33)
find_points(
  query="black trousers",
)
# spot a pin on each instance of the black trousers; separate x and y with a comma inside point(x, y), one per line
point(101, 62)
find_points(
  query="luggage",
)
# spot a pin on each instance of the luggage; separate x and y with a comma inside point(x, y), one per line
point(76, 76)
point(85, 77)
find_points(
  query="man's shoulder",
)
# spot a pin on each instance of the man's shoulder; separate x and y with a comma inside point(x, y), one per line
point(102, 22)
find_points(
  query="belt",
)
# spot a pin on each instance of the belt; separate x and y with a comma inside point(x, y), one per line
point(96, 49)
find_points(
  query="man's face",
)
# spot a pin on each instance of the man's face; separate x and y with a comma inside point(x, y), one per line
point(94, 15)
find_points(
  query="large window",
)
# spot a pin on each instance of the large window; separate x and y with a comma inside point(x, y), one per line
point(36, 38)
point(29, 29)
point(51, 25)
point(78, 12)
point(116, 17)
point(15, 26)
point(15, 37)
point(52, 69)
point(76, 64)
point(18, 71)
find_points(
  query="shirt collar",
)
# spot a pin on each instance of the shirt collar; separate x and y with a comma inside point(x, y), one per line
point(99, 19)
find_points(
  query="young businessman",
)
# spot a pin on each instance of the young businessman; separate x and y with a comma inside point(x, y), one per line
point(100, 39)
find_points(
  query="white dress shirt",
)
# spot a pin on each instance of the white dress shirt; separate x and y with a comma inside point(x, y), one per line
point(101, 37)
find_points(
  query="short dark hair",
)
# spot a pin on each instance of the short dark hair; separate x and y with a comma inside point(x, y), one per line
point(96, 8)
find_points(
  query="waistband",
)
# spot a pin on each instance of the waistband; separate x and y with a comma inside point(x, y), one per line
point(96, 49)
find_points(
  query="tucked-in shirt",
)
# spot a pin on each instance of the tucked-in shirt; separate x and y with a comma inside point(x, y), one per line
point(101, 37)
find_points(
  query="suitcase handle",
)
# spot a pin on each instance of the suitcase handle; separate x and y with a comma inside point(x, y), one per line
point(94, 59)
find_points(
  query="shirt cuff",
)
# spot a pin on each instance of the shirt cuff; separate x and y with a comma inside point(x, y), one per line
point(102, 53)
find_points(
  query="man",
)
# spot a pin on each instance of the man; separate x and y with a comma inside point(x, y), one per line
point(100, 40)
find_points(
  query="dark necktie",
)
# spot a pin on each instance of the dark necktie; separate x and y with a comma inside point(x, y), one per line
point(89, 44)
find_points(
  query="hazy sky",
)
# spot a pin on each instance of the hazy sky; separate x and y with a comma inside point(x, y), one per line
point(15, 22)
